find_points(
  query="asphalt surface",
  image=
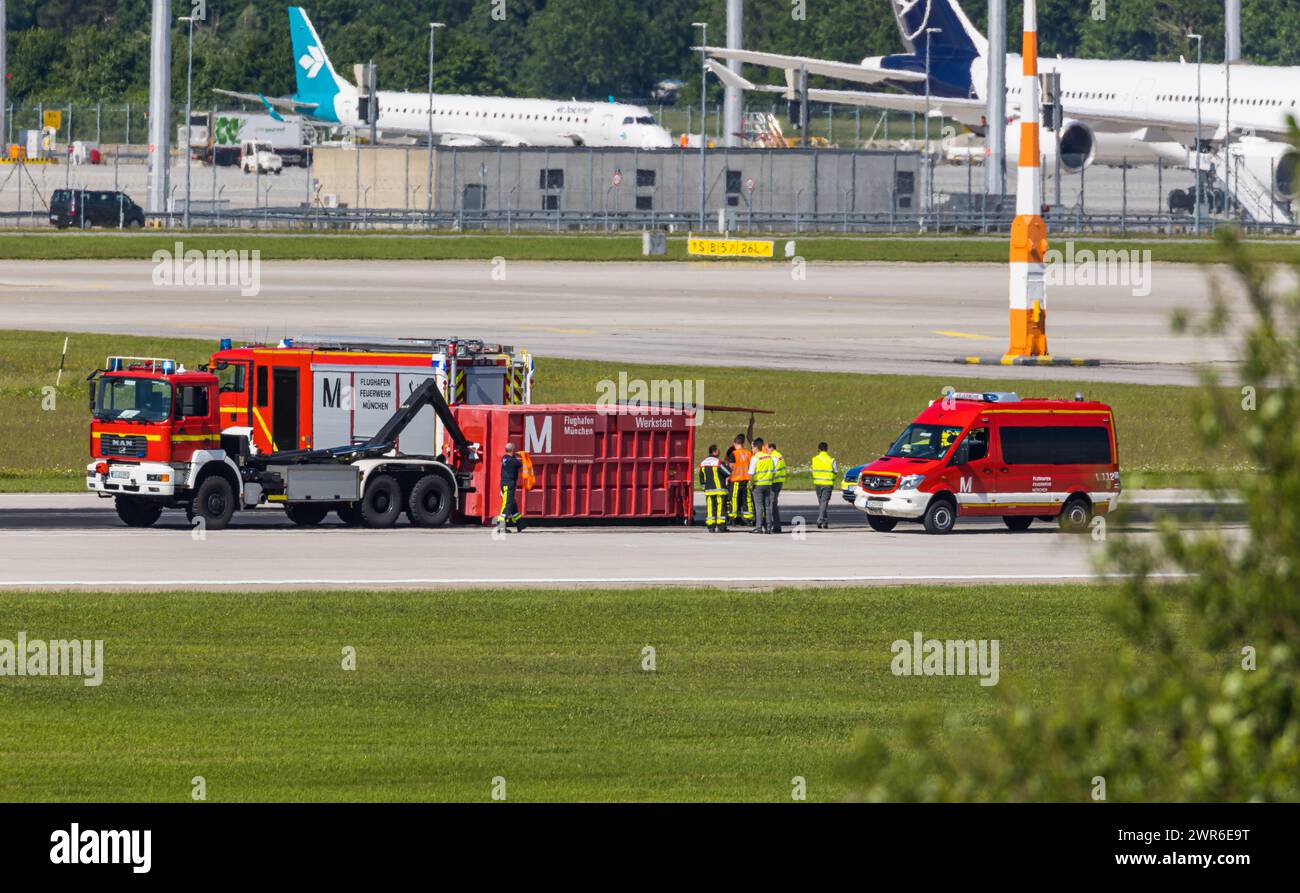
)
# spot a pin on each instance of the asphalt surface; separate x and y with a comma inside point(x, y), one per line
point(76, 540)
point(913, 319)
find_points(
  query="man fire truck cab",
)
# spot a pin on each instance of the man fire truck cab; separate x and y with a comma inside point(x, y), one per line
point(996, 455)
point(158, 441)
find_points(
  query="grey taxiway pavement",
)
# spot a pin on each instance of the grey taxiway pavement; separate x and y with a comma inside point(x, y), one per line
point(75, 540)
point(876, 318)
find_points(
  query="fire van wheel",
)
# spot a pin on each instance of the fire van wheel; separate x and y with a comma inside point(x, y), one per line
point(1018, 523)
point(429, 504)
point(306, 515)
point(1076, 515)
point(882, 525)
point(136, 512)
point(349, 514)
point(382, 502)
point(940, 516)
point(214, 503)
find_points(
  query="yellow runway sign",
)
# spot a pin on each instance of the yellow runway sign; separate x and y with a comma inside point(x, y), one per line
point(729, 248)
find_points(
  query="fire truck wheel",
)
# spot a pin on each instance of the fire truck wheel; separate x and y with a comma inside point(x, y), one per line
point(382, 502)
point(306, 515)
point(136, 512)
point(1018, 523)
point(349, 514)
point(430, 502)
point(940, 516)
point(214, 503)
point(1076, 515)
point(882, 525)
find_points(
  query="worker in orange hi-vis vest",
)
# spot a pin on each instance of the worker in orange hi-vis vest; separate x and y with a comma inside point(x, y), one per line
point(741, 504)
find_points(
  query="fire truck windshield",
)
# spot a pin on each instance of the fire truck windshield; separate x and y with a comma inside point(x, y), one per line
point(133, 400)
point(924, 442)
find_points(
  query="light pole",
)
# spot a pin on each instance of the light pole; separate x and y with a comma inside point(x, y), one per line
point(1197, 38)
point(189, 105)
point(704, 83)
point(929, 168)
point(433, 29)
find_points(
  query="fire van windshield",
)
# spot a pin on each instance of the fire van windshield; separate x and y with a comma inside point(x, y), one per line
point(924, 442)
point(133, 400)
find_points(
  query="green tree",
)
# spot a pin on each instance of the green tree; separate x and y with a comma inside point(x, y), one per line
point(1204, 703)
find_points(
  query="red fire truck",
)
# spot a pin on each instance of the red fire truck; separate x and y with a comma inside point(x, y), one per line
point(306, 392)
point(996, 455)
point(157, 442)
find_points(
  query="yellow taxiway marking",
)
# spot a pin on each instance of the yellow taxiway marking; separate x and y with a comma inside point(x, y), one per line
point(963, 335)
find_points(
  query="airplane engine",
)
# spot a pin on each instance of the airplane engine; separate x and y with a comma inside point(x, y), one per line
point(1272, 164)
point(1078, 145)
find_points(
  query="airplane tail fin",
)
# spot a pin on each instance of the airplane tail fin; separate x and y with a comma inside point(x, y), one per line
point(955, 35)
point(317, 81)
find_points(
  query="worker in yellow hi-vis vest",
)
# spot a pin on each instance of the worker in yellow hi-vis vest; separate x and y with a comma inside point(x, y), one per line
point(779, 472)
point(761, 471)
point(825, 472)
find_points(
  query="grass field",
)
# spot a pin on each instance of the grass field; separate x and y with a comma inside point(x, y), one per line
point(576, 247)
point(860, 415)
point(545, 689)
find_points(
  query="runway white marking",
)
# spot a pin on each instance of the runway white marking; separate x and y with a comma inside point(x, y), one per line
point(607, 581)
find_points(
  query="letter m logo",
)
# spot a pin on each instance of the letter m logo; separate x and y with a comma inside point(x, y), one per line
point(966, 484)
point(537, 440)
point(332, 398)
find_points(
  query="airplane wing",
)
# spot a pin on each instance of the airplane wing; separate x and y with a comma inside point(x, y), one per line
point(1178, 125)
point(845, 71)
point(292, 105)
point(967, 111)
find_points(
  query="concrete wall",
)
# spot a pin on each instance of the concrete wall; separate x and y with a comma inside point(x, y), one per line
point(372, 178)
point(667, 182)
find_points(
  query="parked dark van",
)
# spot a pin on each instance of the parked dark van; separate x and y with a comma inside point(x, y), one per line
point(94, 207)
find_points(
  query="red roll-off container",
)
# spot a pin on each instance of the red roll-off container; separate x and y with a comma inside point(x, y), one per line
point(597, 463)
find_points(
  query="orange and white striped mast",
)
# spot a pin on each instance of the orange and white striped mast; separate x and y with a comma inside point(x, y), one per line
point(1028, 231)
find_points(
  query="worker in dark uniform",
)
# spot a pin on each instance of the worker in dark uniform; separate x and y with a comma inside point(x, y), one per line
point(713, 481)
point(511, 465)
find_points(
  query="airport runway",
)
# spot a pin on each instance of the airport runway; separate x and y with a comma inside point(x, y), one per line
point(913, 319)
point(75, 540)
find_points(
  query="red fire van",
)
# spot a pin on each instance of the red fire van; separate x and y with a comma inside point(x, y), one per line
point(996, 455)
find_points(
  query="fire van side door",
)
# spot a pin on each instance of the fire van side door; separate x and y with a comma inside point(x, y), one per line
point(972, 472)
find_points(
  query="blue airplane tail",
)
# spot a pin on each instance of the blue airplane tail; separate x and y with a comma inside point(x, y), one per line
point(317, 81)
point(956, 35)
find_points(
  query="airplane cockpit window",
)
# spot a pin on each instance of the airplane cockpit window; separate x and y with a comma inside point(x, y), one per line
point(628, 120)
point(647, 119)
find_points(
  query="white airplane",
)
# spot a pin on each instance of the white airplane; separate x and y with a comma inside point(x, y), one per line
point(1116, 112)
point(457, 120)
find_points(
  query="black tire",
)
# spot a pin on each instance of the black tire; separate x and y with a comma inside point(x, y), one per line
point(214, 502)
point(382, 502)
point(430, 502)
point(1018, 523)
point(306, 514)
point(137, 512)
point(881, 524)
point(1076, 515)
point(940, 516)
point(349, 514)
